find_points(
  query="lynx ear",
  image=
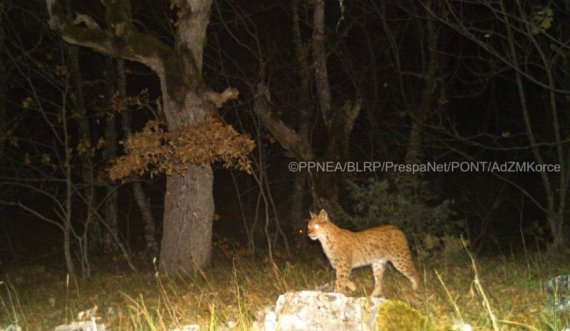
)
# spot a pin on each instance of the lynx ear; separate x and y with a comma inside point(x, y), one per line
point(312, 214)
point(323, 214)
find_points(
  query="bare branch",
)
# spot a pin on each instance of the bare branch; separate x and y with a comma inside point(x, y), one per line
point(33, 212)
point(218, 99)
point(119, 39)
point(287, 137)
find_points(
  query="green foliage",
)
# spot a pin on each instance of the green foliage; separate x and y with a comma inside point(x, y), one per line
point(541, 21)
point(409, 203)
point(399, 316)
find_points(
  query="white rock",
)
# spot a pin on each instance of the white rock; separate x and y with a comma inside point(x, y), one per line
point(314, 310)
point(189, 327)
point(558, 284)
point(461, 326)
point(12, 327)
point(82, 326)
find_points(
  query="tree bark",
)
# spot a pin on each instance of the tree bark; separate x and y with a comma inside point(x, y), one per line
point(320, 60)
point(188, 214)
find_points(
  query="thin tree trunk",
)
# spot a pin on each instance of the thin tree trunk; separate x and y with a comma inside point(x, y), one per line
point(278, 228)
point(3, 85)
point(146, 212)
point(95, 234)
point(546, 182)
point(320, 61)
point(410, 182)
point(298, 192)
point(297, 204)
point(561, 188)
point(246, 226)
point(143, 203)
point(68, 195)
point(420, 113)
point(556, 224)
point(110, 152)
point(327, 185)
point(111, 218)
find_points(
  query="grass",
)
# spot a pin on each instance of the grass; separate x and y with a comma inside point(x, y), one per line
point(501, 292)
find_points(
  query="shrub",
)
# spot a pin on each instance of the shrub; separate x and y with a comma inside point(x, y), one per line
point(408, 203)
point(397, 315)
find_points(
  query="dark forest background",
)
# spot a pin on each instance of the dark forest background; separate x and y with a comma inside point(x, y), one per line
point(369, 80)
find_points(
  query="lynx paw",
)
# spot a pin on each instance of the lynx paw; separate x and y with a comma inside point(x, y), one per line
point(377, 292)
point(340, 287)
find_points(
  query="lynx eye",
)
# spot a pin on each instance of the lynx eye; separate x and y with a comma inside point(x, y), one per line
point(316, 226)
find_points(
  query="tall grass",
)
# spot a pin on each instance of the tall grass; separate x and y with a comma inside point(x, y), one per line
point(500, 293)
point(11, 306)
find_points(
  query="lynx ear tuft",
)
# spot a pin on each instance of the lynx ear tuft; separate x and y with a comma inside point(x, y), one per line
point(323, 214)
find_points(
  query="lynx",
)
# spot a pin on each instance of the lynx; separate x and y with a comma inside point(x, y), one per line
point(376, 246)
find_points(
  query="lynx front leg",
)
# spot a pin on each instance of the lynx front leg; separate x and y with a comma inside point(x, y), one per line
point(342, 281)
point(378, 270)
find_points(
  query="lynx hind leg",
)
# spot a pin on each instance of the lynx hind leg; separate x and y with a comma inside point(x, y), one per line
point(405, 265)
point(342, 281)
point(378, 269)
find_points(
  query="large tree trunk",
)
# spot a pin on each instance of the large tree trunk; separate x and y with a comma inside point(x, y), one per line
point(188, 203)
point(189, 206)
point(188, 214)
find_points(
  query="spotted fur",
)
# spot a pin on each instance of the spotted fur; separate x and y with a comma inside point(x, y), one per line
point(377, 246)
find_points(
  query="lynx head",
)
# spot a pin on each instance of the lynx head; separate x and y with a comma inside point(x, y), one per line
point(317, 223)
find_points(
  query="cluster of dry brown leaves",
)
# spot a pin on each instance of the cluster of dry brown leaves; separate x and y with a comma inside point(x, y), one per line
point(155, 150)
point(121, 103)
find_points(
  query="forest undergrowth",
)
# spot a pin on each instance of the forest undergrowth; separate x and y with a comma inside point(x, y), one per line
point(487, 292)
